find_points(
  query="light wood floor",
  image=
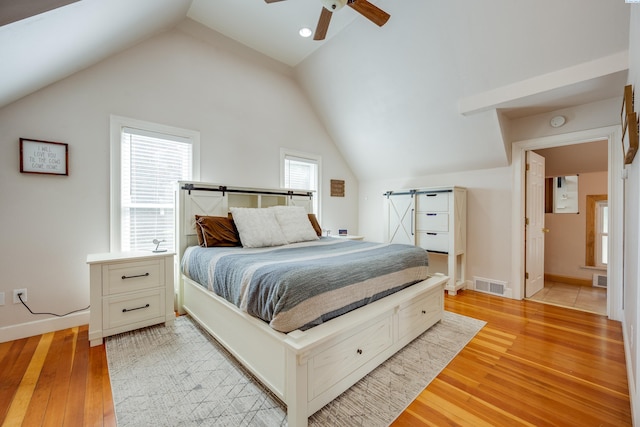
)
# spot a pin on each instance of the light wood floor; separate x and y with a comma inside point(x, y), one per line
point(533, 364)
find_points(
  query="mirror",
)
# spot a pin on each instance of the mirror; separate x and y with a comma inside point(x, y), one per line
point(565, 194)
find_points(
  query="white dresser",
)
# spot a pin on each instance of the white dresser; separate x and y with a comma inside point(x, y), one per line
point(434, 219)
point(129, 290)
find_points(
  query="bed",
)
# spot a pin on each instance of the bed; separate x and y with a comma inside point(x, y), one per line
point(305, 361)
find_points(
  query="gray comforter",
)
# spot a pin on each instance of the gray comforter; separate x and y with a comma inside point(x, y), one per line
point(301, 285)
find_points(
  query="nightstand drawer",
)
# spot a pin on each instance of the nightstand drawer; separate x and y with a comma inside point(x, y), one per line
point(124, 310)
point(132, 276)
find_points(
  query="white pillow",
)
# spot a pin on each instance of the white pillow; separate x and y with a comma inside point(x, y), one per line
point(294, 223)
point(257, 227)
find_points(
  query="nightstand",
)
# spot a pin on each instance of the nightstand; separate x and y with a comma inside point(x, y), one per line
point(129, 290)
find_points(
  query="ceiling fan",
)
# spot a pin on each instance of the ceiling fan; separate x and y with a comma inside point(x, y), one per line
point(366, 9)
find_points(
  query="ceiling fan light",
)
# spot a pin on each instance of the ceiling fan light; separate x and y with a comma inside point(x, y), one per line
point(333, 5)
point(305, 32)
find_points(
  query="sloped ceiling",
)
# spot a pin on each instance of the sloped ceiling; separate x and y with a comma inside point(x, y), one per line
point(426, 93)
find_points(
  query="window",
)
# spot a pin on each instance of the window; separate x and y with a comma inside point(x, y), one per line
point(301, 171)
point(597, 222)
point(602, 233)
point(147, 160)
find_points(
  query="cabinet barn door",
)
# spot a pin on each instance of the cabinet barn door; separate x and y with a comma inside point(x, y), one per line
point(400, 213)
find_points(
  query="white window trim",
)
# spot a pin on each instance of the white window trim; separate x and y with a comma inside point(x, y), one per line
point(117, 123)
point(286, 152)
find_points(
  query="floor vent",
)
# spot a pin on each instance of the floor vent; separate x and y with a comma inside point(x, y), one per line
point(494, 287)
point(600, 280)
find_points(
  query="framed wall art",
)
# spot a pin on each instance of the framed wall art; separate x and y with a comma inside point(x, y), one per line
point(629, 121)
point(630, 138)
point(44, 157)
point(627, 106)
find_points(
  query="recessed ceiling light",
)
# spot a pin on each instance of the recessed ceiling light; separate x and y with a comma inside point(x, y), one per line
point(305, 32)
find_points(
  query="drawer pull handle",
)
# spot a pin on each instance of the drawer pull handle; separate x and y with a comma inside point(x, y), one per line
point(133, 277)
point(431, 214)
point(432, 234)
point(431, 195)
point(424, 312)
point(126, 310)
point(359, 351)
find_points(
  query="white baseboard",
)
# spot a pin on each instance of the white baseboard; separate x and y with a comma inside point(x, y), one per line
point(39, 327)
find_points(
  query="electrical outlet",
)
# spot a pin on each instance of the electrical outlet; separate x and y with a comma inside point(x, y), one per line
point(16, 300)
point(1, 298)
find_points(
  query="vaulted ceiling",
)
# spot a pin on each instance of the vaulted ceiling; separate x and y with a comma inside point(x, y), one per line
point(426, 93)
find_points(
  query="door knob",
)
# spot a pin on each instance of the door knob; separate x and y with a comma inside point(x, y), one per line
point(545, 230)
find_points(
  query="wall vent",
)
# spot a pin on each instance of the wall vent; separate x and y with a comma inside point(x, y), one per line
point(600, 280)
point(489, 286)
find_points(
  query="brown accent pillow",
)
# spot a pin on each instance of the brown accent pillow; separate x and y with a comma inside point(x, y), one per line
point(314, 223)
point(216, 231)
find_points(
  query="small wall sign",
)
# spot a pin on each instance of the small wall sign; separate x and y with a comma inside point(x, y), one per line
point(337, 188)
point(44, 157)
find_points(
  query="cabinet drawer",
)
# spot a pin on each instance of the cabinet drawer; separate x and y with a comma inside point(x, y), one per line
point(436, 242)
point(432, 221)
point(132, 276)
point(418, 315)
point(332, 365)
point(433, 202)
point(127, 309)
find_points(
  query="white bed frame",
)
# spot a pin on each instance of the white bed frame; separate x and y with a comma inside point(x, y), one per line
point(304, 369)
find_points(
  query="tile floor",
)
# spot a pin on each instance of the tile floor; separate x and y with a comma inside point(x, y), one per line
point(585, 298)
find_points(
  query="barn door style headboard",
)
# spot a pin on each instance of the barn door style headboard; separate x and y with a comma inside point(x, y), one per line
point(208, 199)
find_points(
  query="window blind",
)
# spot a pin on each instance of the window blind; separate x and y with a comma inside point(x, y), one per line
point(150, 165)
point(301, 174)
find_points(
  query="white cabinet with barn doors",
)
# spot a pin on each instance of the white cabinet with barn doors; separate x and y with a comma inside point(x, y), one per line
point(436, 220)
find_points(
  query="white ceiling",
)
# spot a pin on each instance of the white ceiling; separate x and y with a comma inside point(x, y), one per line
point(271, 28)
point(394, 99)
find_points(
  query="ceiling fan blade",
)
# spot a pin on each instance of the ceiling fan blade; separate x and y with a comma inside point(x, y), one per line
point(370, 11)
point(323, 24)
point(271, 1)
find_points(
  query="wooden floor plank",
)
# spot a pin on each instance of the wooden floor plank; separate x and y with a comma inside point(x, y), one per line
point(24, 392)
point(94, 401)
point(57, 406)
point(14, 365)
point(74, 414)
point(46, 382)
point(532, 364)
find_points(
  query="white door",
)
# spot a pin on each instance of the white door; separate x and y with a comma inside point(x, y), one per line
point(534, 228)
point(400, 212)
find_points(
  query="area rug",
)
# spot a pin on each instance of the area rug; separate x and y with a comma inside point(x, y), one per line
point(180, 376)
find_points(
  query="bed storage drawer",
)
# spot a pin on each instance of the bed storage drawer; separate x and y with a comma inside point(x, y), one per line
point(414, 317)
point(132, 276)
point(335, 363)
point(433, 202)
point(436, 242)
point(432, 221)
point(125, 310)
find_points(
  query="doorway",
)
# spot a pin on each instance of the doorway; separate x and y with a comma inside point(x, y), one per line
point(614, 271)
point(573, 177)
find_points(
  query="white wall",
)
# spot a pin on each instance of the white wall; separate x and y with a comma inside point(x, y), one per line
point(244, 108)
point(631, 326)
